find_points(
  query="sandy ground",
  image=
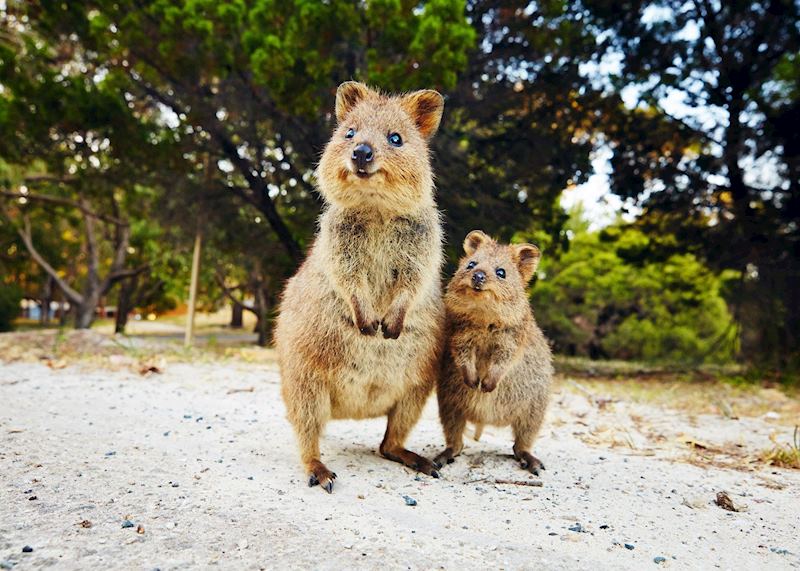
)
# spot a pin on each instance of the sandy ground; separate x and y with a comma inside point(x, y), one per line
point(201, 457)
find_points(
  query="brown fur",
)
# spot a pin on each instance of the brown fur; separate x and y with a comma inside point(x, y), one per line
point(497, 366)
point(360, 329)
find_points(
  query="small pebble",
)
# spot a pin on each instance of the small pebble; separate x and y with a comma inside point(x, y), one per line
point(111, 453)
point(6, 564)
point(577, 528)
point(27, 549)
point(604, 526)
point(249, 477)
point(127, 523)
point(659, 559)
point(628, 546)
point(410, 501)
point(33, 498)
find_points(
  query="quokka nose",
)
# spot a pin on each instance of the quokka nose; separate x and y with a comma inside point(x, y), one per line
point(478, 278)
point(362, 155)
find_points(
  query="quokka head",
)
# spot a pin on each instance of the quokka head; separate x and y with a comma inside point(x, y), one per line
point(491, 278)
point(378, 155)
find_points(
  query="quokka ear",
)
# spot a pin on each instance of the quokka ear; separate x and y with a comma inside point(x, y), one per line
point(527, 257)
point(425, 108)
point(474, 240)
point(348, 95)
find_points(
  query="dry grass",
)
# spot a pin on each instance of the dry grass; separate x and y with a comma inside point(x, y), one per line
point(716, 397)
point(784, 455)
point(90, 348)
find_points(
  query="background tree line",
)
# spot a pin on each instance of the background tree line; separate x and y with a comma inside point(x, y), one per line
point(128, 126)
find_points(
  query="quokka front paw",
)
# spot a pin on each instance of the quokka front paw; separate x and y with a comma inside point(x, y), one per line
point(392, 330)
point(366, 325)
point(488, 384)
point(470, 378)
point(369, 329)
point(392, 324)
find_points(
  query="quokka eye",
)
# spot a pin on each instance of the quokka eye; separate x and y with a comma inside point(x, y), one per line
point(472, 264)
point(350, 133)
point(501, 273)
point(395, 140)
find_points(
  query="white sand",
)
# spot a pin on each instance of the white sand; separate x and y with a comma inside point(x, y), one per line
point(214, 479)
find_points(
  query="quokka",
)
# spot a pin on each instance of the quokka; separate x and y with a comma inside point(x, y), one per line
point(361, 324)
point(497, 366)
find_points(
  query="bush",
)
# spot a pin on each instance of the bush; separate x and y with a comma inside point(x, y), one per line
point(616, 294)
point(10, 298)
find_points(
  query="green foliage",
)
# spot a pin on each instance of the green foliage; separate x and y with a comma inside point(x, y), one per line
point(10, 297)
point(608, 297)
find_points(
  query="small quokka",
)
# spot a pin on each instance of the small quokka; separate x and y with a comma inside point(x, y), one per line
point(497, 367)
point(361, 324)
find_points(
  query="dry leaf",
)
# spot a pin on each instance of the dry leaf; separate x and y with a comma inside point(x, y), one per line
point(724, 501)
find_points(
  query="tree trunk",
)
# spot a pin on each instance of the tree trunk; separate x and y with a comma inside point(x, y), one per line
point(262, 325)
point(189, 334)
point(126, 289)
point(237, 314)
point(85, 310)
point(84, 314)
point(45, 300)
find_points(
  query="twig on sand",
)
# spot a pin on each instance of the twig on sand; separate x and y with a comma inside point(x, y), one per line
point(531, 483)
point(245, 390)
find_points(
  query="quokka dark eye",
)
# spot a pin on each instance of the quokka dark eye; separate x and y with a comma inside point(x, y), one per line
point(472, 264)
point(501, 273)
point(395, 140)
point(350, 133)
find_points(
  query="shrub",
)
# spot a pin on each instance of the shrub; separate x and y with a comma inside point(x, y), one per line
point(613, 294)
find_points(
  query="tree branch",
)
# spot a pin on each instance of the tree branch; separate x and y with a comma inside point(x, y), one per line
point(229, 294)
point(65, 202)
point(25, 233)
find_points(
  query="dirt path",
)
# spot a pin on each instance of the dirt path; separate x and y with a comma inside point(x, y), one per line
point(213, 478)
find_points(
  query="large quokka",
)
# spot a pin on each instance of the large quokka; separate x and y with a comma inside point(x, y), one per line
point(361, 324)
point(497, 366)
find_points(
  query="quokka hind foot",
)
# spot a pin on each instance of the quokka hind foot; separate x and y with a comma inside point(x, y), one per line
point(529, 462)
point(320, 476)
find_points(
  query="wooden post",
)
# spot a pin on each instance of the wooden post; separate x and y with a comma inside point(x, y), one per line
point(187, 340)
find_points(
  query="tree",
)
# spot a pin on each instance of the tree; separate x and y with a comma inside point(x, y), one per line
point(76, 151)
point(720, 167)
